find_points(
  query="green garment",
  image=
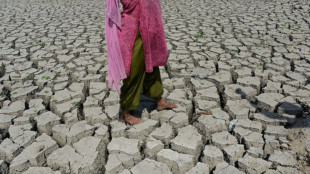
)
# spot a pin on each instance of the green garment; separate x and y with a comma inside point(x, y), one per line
point(138, 78)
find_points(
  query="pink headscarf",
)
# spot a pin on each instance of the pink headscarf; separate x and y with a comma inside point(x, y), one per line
point(116, 70)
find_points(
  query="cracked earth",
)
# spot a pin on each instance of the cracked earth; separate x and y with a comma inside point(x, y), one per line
point(239, 71)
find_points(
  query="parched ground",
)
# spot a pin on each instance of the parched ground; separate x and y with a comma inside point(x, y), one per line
point(239, 71)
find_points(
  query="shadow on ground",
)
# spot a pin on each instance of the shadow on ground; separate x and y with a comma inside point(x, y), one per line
point(287, 107)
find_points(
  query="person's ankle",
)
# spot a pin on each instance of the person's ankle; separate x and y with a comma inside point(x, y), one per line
point(126, 112)
point(160, 101)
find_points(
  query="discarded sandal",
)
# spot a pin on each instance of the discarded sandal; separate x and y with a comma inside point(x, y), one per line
point(197, 115)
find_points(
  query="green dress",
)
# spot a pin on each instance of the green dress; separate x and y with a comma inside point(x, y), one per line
point(138, 78)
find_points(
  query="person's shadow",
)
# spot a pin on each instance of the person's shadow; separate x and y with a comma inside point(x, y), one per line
point(289, 108)
point(145, 103)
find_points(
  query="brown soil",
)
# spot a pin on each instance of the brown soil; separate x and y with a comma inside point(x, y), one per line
point(298, 137)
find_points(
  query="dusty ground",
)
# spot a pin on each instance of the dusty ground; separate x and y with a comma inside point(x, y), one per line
point(247, 62)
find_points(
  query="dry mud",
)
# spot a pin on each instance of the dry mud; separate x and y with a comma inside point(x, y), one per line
point(246, 61)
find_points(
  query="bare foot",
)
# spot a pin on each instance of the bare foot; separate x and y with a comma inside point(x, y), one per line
point(127, 118)
point(161, 104)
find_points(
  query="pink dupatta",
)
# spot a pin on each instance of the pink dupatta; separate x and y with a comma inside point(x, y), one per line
point(116, 70)
point(120, 41)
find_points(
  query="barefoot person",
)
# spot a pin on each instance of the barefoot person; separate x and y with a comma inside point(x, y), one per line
point(136, 46)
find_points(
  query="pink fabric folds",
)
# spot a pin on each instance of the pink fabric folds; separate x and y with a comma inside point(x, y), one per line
point(120, 34)
point(116, 69)
point(148, 14)
point(152, 34)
